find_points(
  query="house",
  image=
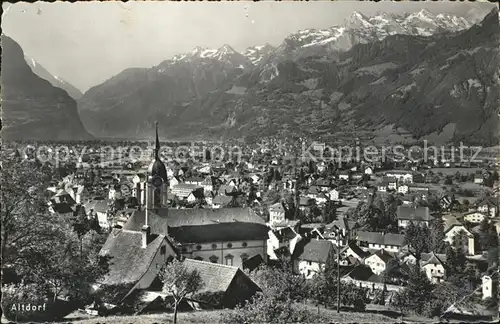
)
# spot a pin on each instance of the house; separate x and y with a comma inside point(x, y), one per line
point(352, 250)
point(221, 201)
point(434, 266)
point(136, 258)
point(344, 175)
point(474, 217)
point(230, 283)
point(417, 215)
point(282, 240)
point(64, 210)
point(347, 227)
point(183, 190)
point(378, 261)
point(489, 206)
point(369, 170)
point(334, 195)
point(403, 189)
point(277, 213)
point(194, 180)
point(363, 276)
point(376, 241)
point(310, 257)
point(418, 189)
point(195, 196)
point(452, 231)
point(401, 175)
point(225, 235)
point(98, 207)
point(478, 179)
point(490, 284)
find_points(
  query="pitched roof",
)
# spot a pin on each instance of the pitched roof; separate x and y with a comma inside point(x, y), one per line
point(381, 238)
point(219, 232)
point(314, 250)
point(357, 250)
point(383, 255)
point(413, 213)
point(62, 208)
point(432, 258)
point(363, 273)
point(215, 277)
point(129, 260)
point(449, 222)
point(223, 200)
point(164, 218)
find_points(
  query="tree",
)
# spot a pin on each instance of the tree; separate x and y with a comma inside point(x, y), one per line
point(279, 300)
point(436, 241)
point(417, 237)
point(414, 297)
point(179, 282)
point(45, 249)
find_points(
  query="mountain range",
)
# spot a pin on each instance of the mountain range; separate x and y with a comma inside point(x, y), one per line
point(419, 72)
point(56, 81)
point(32, 108)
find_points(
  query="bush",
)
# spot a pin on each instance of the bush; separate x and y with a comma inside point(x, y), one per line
point(37, 307)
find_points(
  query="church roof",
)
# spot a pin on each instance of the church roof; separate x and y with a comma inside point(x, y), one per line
point(203, 225)
point(129, 260)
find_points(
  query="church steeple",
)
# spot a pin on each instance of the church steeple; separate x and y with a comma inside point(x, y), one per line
point(157, 144)
point(157, 168)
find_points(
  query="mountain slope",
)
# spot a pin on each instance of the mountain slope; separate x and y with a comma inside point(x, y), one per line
point(32, 108)
point(54, 80)
point(418, 72)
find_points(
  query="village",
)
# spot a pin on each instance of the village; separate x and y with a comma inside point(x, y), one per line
point(227, 218)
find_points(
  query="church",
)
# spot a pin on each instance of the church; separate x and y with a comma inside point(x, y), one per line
point(229, 236)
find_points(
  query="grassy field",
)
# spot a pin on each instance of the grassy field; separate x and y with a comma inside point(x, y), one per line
point(327, 315)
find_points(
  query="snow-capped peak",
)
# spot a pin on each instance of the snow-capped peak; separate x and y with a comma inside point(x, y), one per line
point(357, 19)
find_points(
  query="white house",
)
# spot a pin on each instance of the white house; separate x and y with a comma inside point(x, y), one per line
point(417, 215)
point(403, 189)
point(378, 261)
point(475, 217)
point(452, 228)
point(277, 214)
point(369, 170)
point(376, 241)
point(313, 257)
point(488, 206)
point(283, 238)
point(489, 285)
point(334, 195)
point(433, 266)
point(401, 175)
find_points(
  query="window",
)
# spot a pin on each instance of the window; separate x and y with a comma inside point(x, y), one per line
point(214, 259)
point(214, 246)
point(229, 259)
point(198, 247)
point(229, 245)
point(163, 250)
point(244, 244)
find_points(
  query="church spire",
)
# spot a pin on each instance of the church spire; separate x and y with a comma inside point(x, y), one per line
point(157, 144)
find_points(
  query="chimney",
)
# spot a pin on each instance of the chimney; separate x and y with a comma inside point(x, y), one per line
point(146, 231)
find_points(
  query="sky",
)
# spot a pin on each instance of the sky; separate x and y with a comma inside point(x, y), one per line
point(86, 43)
